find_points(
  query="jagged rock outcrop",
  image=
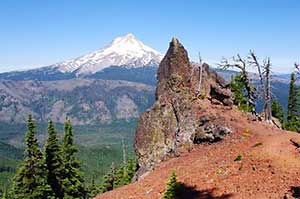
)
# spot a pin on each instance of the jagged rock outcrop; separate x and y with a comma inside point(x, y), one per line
point(176, 120)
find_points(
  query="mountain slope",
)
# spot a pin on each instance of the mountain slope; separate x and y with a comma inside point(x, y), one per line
point(42, 74)
point(124, 52)
point(269, 167)
point(216, 150)
point(85, 101)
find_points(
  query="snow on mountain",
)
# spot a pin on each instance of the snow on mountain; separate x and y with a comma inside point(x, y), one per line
point(125, 51)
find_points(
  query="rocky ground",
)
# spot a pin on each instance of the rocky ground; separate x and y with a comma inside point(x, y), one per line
point(269, 165)
point(216, 150)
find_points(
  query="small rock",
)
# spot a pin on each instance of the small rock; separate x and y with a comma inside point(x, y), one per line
point(211, 133)
point(216, 102)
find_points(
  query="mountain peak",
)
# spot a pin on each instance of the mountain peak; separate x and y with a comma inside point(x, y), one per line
point(125, 51)
point(129, 36)
point(125, 39)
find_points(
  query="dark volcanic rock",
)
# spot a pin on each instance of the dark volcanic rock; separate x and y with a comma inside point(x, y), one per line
point(210, 130)
point(171, 124)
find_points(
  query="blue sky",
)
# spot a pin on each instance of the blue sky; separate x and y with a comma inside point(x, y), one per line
point(38, 33)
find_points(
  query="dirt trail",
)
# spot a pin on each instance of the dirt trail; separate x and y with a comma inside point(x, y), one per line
point(270, 165)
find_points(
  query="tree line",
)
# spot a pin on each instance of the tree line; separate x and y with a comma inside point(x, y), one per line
point(54, 172)
point(51, 173)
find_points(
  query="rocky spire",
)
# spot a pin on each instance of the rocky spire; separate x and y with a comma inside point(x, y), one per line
point(172, 124)
point(174, 66)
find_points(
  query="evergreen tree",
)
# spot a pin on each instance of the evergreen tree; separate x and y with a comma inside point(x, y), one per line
point(277, 111)
point(293, 122)
point(293, 103)
point(54, 162)
point(4, 195)
point(237, 85)
point(172, 187)
point(131, 170)
point(242, 64)
point(109, 180)
point(73, 182)
point(118, 177)
point(125, 173)
point(30, 180)
point(93, 190)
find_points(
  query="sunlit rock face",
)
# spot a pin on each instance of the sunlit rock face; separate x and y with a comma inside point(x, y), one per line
point(169, 127)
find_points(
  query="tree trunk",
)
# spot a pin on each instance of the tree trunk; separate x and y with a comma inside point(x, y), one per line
point(200, 76)
point(268, 92)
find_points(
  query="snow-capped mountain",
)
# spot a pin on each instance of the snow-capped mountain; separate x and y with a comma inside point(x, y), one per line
point(126, 51)
point(125, 58)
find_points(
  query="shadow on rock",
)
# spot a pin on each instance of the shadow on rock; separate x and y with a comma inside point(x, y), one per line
point(190, 192)
point(295, 192)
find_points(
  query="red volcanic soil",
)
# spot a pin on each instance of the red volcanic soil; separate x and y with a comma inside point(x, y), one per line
point(270, 165)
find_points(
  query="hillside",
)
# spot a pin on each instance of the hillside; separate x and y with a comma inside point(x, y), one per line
point(102, 103)
point(216, 150)
point(269, 167)
point(102, 142)
point(85, 101)
point(94, 100)
point(76, 88)
point(9, 159)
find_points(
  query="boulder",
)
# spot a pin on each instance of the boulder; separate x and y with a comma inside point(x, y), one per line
point(211, 129)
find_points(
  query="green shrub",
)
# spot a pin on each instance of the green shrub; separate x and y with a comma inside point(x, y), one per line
point(172, 187)
point(238, 158)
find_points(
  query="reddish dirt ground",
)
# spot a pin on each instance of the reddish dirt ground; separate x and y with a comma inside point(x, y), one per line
point(270, 165)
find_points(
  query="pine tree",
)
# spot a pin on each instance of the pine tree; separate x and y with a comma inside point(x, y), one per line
point(240, 98)
point(292, 101)
point(4, 195)
point(131, 167)
point(277, 111)
point(119, 179)
point(109, 180)
point(73, 181)
point(120, 176)
point(93, 189)
point(172, 187)
point(125, 173)
point(54, 162)
point(30, 180)
point(293, 122)
point(241, 64)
